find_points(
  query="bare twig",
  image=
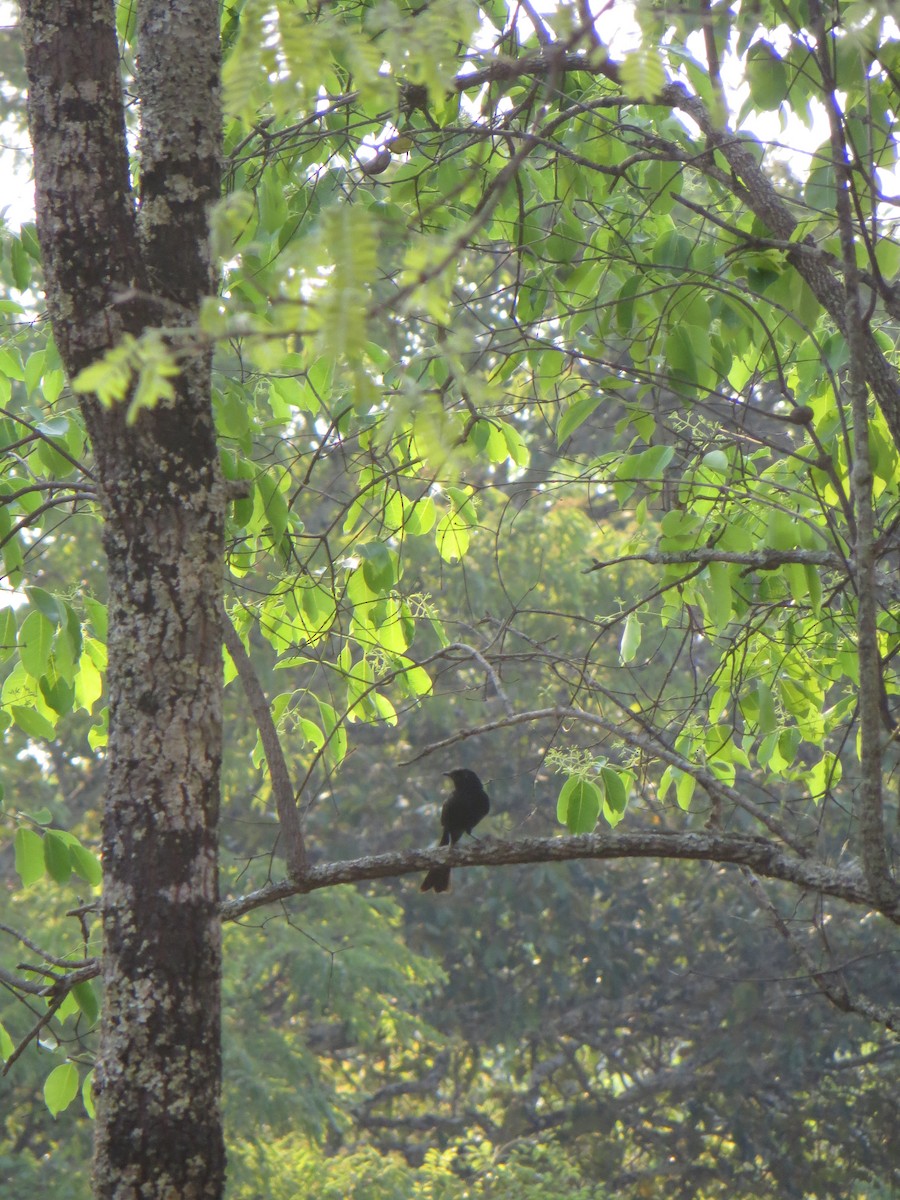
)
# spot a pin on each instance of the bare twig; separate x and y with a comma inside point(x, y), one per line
point(68, 963)
point(829, 983)
point(486, 667)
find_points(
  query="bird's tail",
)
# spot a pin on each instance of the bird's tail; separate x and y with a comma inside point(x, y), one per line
point(437, 879)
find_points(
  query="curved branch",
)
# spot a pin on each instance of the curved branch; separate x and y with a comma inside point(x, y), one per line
point(28, 519)
point(764, 857)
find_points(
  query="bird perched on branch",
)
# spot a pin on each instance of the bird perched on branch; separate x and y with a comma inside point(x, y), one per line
point(466, 805)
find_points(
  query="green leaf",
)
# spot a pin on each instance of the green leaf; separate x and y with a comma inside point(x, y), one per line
point(32, 722)
point(312, 733)
point(452, 537)
point(35, 643)
point(684, 789)
point(825, 774)
point(60, 1088)
point(378, 567)
point(110, 376)
point(97, 613)
point(13, 557)
point(614, 786)
point(767, 76)
point(6, 1043)
point(814, 588)
point(766, 719)
point(87, 1001)
point(576, 414)
point(57, 692)
point(69, 642)
point(625, 304)
point(716, 461)
point(820, 188)
point(578, 806)
point(8, 630)
point(34, 369)
point(335, 734)
point(87, 1094)
point(419, 516)
point(416, 679)
point(515, 445)
point(57, 859)
point(631, 638)
point(648, 464)
point(463, 504)
point(20, 263)
point(274, 511)
point(11, 365)
point(643, 74)
point(44, 602)
point(86, 864)
point(489, 440)
point(88, 683)
point(720, 594)
point(29, 856)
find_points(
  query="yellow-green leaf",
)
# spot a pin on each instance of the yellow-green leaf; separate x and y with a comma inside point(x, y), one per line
point(60, 1088)
point(35, 642)
point(29, 856)
point(631, 638)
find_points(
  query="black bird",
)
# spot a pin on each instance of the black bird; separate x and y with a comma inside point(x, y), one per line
point(461, 812)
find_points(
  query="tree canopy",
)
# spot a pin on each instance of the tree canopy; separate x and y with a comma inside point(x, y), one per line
point(501, 388)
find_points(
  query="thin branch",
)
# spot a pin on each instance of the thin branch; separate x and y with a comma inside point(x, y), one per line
point(832, 987)
point(68, 963)
point(541, 31)
point(32, 1033)
point(757, 560)
point(50, 486)
point(17, 984)
point(288, 814)
point(29, 518)
point(79, 466)
point(56, 993)
point(486, 667)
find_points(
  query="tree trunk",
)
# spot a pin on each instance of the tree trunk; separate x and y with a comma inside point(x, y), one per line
point(113, 270)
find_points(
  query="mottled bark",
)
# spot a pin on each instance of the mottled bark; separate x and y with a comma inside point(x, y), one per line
point(110, 273)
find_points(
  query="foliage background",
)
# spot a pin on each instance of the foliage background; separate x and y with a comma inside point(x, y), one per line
point(465, 404)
